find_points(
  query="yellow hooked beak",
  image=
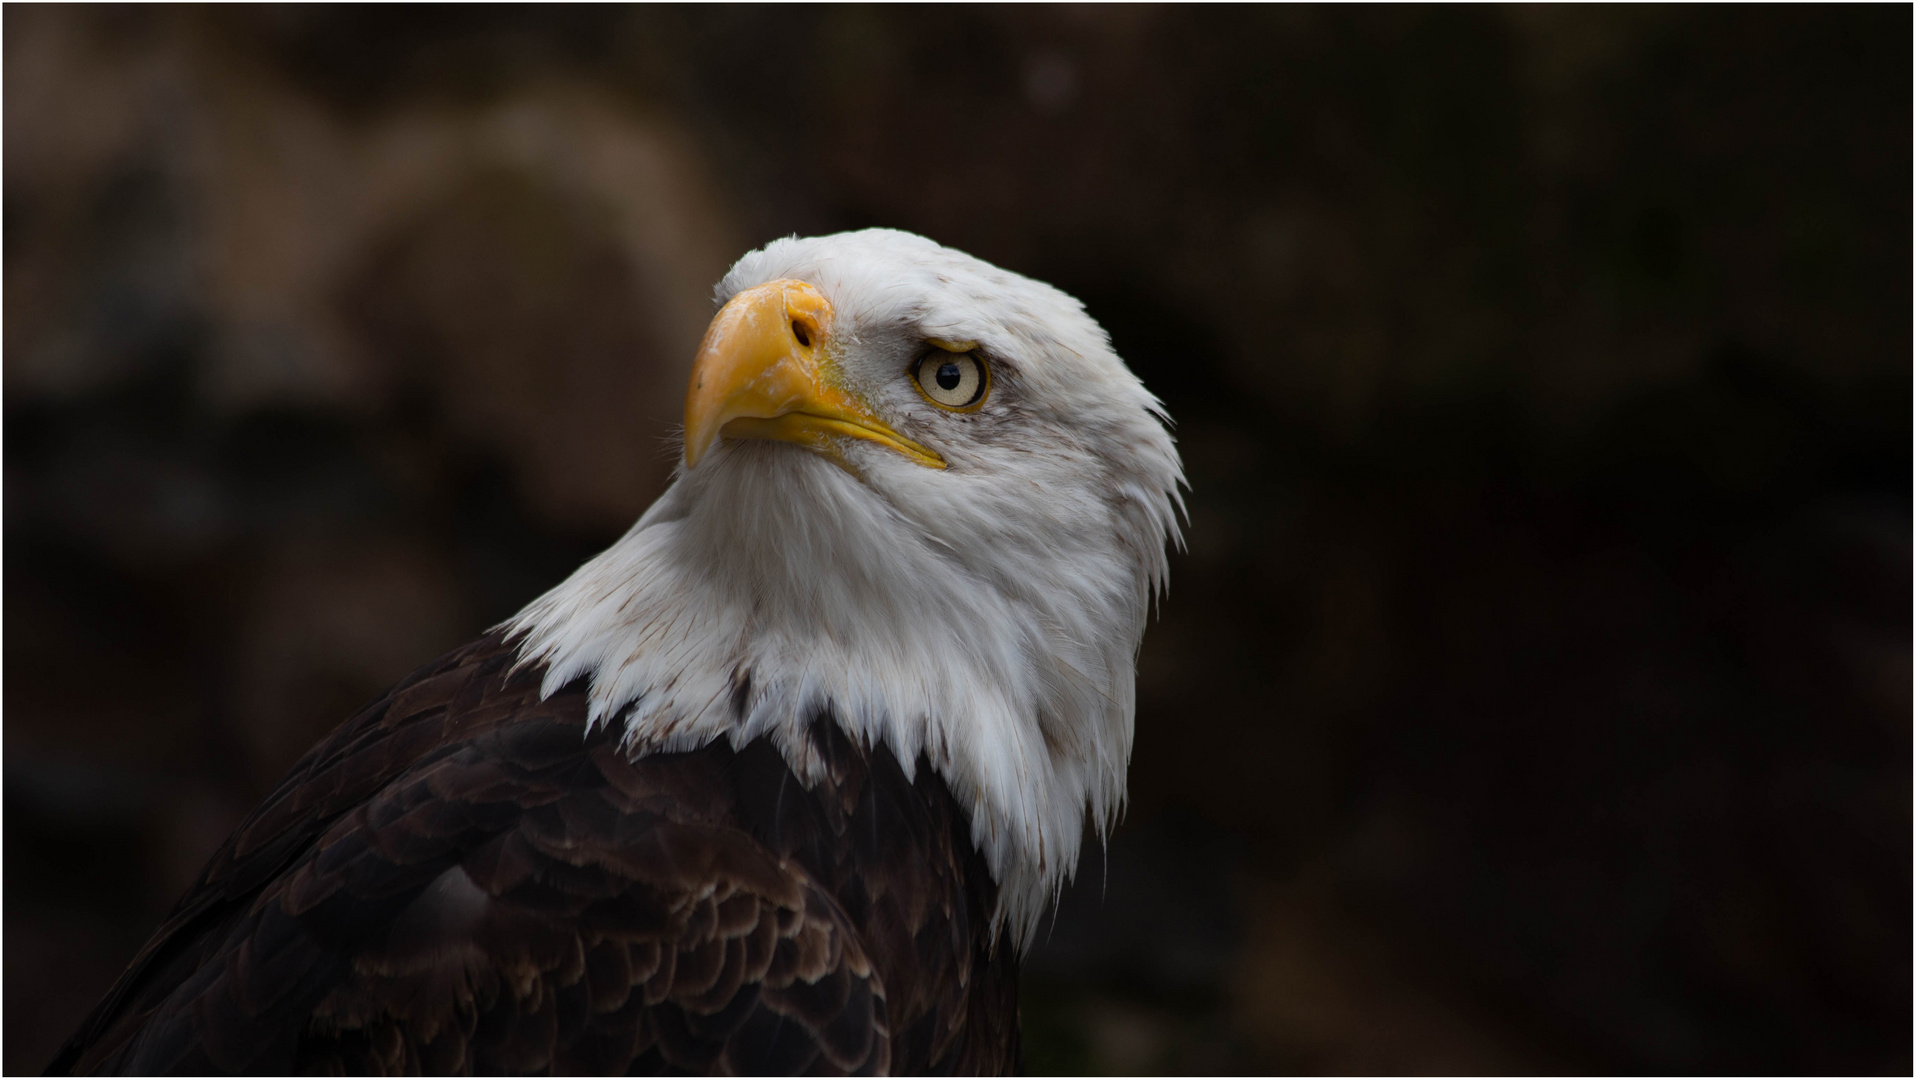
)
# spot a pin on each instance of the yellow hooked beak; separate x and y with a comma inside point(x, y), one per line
point(763, 372)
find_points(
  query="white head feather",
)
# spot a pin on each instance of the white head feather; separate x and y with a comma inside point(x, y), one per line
point(986, 615)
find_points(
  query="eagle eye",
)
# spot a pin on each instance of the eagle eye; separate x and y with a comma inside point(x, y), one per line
point(952, 380)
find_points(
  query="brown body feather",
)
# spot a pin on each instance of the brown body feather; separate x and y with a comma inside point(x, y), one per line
point(462, 879)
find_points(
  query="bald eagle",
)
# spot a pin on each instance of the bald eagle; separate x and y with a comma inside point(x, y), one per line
point(782, 781)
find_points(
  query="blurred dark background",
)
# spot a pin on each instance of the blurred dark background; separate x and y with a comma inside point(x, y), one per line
point(1534, 694)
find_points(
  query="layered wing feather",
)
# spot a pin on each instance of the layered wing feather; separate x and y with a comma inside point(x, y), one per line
point(462, 880)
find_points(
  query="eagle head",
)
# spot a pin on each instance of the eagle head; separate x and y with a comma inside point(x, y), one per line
point(920, 495)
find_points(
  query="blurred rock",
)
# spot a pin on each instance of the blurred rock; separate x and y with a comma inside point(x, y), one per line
point(325, 627)
point(540, 265)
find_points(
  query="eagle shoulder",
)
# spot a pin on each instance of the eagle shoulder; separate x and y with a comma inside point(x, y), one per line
point(452, 883)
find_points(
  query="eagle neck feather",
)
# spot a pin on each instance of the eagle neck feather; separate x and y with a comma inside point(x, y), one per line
point(768, 588)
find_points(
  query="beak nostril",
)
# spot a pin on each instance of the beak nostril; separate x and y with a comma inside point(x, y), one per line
point(802, 333)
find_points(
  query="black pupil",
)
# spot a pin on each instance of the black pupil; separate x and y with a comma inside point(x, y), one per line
point(948, 376)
